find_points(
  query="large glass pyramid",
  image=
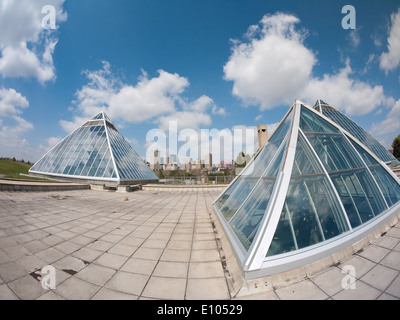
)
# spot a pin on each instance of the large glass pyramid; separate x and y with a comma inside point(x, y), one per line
point(312, 190)
point(95, 152)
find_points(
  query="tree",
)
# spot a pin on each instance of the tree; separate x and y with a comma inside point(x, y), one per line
point(242, 160)
point(396, 147)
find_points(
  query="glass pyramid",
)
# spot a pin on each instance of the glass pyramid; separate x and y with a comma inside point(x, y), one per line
point(312, 190)
point(97, 152)
point(358, 132)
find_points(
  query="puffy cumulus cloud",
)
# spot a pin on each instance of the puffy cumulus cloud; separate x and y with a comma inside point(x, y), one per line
point(389, 128)
point(185, 119)
point(26, 47)
point(272, 66)
point(149, 98)
point(159, 99)
point(353, 96)
point(12, 142)
point(11, 102)
point(19, 61)
point(390, 60)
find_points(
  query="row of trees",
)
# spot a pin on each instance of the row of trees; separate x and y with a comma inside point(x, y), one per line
point(15, 160)
point(396, 147)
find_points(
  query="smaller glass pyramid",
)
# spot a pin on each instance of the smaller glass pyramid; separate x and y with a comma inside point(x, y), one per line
point(97, 152)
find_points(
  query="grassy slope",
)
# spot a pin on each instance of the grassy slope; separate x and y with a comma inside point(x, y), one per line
point(11, 170)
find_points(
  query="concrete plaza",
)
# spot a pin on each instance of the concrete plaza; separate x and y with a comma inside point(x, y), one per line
point(154, 245)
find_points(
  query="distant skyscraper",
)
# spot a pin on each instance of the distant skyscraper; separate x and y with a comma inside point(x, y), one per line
point(208, 161)
point(155, 160)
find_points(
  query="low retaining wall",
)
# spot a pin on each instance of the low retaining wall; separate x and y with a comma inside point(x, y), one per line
point(21, 186)
point(183, 188)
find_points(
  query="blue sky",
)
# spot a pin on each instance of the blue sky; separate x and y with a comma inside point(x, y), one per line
point(206, 64)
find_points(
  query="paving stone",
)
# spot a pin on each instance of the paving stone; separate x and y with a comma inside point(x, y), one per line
point(123, 250)
point(304, 290)
point(362, 291)
point(87, 254)
point(4, 257)
point(392, 260)
point(76, 289)
point(96, 274)
point(380, 277)
point(107, 294)
point(361, 265)
point(176, 255)
point(16, 252)
point(50, 255)
point(36, 246)
point(148, 253)
point(205, 255)
point(6, 293)
point(374, 253)
point(331, 281)
point(31, 263)
point(205, 270)
point(129, 283)
point(70, 264)
point(110, 260)
point(165, 288)
point(27, 288)
point(171, 269)
point(207, 289)
point(139, 266)
point(10, 271)
point(50, 295)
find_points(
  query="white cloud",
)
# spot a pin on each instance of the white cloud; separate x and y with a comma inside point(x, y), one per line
point(354, 38)
point(26, 48)
point(387, 129)
point(12, 142)
point(355, 97)
point(273, 66)
point(390, 60)
point(21, 62)
point(10, 102)
point(149, 98)
point(185, 119)
point(159, 99)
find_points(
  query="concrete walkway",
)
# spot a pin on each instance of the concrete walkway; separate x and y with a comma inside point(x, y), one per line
point(153, 245)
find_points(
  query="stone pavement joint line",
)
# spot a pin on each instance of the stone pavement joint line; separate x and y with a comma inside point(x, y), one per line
point(156, 245)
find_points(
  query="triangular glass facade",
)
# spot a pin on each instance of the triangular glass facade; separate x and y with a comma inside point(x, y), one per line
point(96, 151)
point(311, 190)
point(353, 128)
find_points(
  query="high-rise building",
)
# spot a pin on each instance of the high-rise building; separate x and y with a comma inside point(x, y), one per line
point(208, 161)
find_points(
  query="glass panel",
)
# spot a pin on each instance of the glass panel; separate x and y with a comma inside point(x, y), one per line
point(388, 186)
point(242, 187)
point(283, 128)
point(358, 132)
point(238, 192)
point(310, 122)
point(359, 193)
point(247, 220)
point(311, 212)
point(129, 165)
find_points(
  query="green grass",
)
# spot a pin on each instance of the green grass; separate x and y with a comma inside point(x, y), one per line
point(12, 170)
